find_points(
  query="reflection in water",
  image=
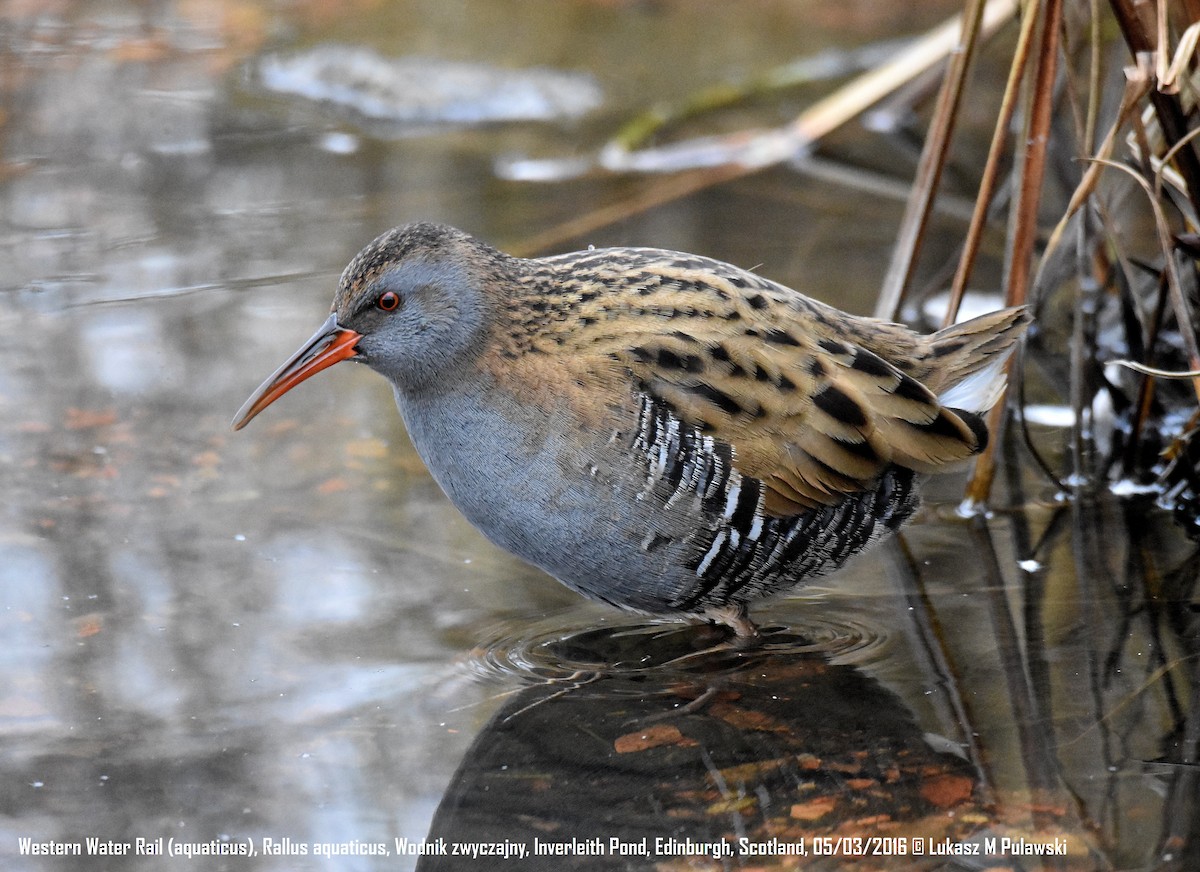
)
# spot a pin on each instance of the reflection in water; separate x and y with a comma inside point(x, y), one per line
point(733, 756)
point(211, 638)
point(1069, 711)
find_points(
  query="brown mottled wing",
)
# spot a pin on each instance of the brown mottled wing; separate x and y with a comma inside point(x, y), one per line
point(813, 420)
point(810, 413)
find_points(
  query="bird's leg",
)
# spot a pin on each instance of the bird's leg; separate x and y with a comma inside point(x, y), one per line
point(691, 708)
point(737, 618)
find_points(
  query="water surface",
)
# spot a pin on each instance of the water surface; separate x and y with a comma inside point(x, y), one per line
point(288, 633)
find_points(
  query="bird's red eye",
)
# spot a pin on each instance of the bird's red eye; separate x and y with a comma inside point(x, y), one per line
point(388, 300)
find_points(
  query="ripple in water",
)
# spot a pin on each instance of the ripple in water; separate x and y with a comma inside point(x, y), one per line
point(550, 651)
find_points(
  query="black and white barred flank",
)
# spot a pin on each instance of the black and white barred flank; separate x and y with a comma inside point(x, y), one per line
point(740, 554)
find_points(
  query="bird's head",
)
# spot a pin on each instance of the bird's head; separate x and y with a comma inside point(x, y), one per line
point(412, 305)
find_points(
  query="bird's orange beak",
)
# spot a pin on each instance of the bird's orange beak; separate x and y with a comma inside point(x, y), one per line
point(329, 345)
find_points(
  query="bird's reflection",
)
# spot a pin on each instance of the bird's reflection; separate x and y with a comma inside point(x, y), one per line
point(715, 753)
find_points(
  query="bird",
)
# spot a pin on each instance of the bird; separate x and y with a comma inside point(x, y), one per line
point(660, 431)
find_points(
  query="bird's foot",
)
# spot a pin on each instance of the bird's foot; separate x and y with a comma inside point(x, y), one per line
point(737, 618)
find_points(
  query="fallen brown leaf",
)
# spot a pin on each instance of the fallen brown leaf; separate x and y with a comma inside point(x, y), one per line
point(814, 809)
point(746, 719)
point(946, 790)
point(653, 737)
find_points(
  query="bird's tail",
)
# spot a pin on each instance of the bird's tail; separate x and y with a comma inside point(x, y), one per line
point(969, 358)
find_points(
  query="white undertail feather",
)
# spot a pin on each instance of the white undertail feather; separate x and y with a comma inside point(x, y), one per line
point(980, 390)
point(975, 353)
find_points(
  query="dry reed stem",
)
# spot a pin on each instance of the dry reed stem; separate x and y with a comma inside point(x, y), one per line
point(1166, 107)
point(991, 171)
point(1137, 85)
point(929, 170)
point(1035, 141)
point(765, 148)
point(827, 115)
point(1179, 301)
point(1023, 224)
point(1146, 386)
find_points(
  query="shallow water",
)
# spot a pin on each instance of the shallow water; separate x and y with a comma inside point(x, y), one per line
point(288, 634)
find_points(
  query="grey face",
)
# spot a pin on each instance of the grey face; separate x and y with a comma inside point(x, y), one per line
point(418, 319)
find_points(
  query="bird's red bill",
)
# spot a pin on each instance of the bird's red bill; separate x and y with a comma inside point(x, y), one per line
point(329, 345)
